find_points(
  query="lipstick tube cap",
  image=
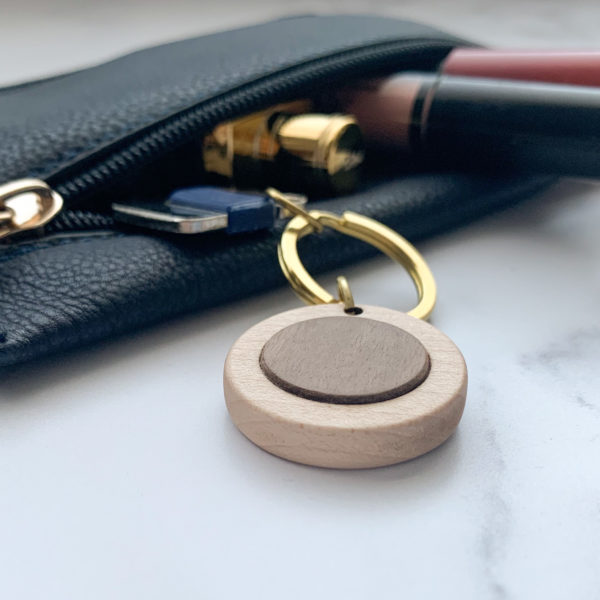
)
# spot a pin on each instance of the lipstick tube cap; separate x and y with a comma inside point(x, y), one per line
point(314, 153)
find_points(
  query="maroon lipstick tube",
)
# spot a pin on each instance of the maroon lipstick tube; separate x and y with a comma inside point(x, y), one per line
point(575, 67)
point(476, 123)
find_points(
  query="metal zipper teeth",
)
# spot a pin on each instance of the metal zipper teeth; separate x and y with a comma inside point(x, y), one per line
point(167, 135)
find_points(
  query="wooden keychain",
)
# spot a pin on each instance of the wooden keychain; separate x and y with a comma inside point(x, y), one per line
point(343, 386)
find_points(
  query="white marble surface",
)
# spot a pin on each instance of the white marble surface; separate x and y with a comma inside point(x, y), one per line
point(121, 476)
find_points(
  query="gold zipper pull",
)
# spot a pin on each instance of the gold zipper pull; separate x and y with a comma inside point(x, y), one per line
point(27, 204)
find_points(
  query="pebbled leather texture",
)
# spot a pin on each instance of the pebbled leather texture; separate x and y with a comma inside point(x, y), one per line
point(46, 124)
point(74, 291)
point(62, 291)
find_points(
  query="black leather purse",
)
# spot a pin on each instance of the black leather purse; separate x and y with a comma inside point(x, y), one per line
point(131, 127)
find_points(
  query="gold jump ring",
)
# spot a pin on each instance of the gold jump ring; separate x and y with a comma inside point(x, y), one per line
point(368, 230)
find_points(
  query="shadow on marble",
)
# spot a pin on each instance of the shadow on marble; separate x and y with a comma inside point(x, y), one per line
point(403, 485)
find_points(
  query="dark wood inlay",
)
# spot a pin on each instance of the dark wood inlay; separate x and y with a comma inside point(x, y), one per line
point(345, 360)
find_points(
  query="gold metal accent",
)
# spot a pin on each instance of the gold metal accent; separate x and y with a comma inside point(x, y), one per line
point(27, 204)
point(292, 207)
point(287, 145)
point(365, 229)
point(6, 215)
point(345, 293)
point(242, 146)
point(316, 140)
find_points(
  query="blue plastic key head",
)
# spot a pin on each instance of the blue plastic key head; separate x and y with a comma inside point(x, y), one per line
point(246, 211)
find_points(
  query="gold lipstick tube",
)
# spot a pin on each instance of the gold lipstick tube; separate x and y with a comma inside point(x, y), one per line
point(287, 147)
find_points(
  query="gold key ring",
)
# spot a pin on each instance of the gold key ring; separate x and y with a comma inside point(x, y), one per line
point(363, 228)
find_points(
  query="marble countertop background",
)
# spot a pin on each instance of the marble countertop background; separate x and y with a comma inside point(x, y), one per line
point(121, 476)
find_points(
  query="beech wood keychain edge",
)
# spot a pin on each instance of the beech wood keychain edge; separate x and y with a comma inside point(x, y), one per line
point(337, 385)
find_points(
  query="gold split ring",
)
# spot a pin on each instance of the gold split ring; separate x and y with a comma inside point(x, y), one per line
point(363, 228)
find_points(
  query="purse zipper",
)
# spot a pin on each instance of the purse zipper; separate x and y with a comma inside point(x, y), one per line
point(103, 167)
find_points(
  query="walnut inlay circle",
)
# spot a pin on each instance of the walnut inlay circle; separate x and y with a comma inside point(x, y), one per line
point(345, 360)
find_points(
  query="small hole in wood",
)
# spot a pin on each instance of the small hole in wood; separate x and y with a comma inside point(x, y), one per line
point(355, 310)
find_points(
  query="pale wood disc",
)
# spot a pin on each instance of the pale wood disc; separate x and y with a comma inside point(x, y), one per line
point(345, 360)
point(345, 435)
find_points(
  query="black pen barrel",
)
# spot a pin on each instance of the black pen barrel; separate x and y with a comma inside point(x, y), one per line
point(508, 125)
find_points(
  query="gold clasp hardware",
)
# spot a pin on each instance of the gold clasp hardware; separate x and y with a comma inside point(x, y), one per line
point(363, 228)
point(27, 204)
point(345, 296)
point(293, 208)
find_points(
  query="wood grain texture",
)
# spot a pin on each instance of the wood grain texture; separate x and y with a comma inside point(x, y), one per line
point(345, 360)
point(345, 436)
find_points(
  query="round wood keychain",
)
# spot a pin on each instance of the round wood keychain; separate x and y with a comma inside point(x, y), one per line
point(338, 385)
